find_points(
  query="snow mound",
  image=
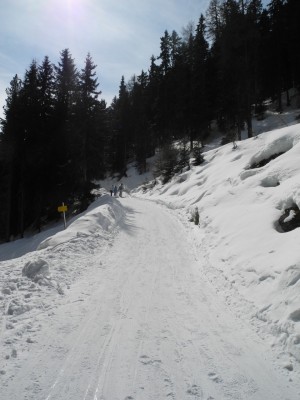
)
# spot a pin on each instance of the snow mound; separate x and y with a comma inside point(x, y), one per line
point(33, 286)
point(36, 269)
point(101, 216)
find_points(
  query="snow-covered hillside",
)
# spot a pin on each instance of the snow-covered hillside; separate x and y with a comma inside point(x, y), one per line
point(249, 259)
point(135, 301)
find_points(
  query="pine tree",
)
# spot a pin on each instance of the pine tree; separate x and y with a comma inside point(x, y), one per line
point(293, 16)
point(33, 148)
point(199, 104)
point(278, 40)
point(65, 132)
point(165, 53)
point(121, 136)
point(5, 176)
point(90, 132)
point(143, 141)
point(153, 88)
point(87, 109)
point(213, 18)
point(13, 143)
point(47, 196)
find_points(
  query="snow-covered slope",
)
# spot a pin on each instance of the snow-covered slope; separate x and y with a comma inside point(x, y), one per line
point(254, 264)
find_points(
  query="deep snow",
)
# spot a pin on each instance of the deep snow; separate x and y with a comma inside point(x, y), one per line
point(134, 301)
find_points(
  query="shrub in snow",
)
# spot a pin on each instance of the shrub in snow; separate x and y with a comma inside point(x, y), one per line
point(183, 159)
point(148, 185)
point(290, 220)
point(198, 156)
point(195, 216)
point(166, 163)
point(36, 269)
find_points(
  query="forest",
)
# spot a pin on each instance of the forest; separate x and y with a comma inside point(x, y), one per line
point(58, 137)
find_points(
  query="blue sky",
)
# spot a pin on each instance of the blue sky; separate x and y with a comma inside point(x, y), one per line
point(120, 35)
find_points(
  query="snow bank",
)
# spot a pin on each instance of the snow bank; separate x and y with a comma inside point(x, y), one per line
point(34, 285)
point(246, 256)
point(102, 216)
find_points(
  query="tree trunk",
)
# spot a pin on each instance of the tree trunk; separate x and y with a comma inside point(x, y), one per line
point(288, 101)
point(8, 207)
point(279, 109)
point(249, 125)
point(191, 140)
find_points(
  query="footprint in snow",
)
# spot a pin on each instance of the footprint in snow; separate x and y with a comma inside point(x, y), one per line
point(214, 377)
point(147, 361)
point(195, 390)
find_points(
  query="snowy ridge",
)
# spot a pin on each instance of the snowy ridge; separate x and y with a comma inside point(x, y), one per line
point(102, 215)
point(250, 261)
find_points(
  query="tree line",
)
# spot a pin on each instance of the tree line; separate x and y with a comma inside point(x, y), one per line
point(222, 70)
point(52, 142)
point(58, 137)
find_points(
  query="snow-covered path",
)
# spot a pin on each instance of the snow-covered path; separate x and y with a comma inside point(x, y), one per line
point(143, 323)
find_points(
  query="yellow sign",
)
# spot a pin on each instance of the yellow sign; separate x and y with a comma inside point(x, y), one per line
point(62, 208)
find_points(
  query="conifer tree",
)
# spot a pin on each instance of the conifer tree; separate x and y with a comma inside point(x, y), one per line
point(280, 57)
point(200, 116)
point(87, 115)
point(33, 147)
point(121, 137)
point(47, 142)
point(292, 10)
point(91, 130)
point(65, 132)
point(13, 143)
point(143, 140)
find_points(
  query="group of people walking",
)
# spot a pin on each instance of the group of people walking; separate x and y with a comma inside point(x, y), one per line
point(115, 189)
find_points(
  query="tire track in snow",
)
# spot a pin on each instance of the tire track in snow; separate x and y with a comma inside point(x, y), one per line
point(69, 361)
point(144, 323)
point(105, 358)
point(135, 273)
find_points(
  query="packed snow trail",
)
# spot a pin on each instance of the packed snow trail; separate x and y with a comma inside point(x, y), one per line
point(143, 323)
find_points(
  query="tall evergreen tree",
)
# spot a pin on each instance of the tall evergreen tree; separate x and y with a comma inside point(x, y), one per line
point(66, 96)
point(293, 18)
point(13, 142)
point(121, 138)
point(213, 19)
point(200, 102)
point(86, 114)
point(91, 115)
point(33, 149)
point(46, 144)
point(143, 140)
point(278, 40)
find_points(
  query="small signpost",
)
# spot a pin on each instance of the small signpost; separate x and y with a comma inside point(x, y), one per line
point(63, 209)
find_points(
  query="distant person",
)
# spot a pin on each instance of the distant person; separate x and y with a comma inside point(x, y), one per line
point(115, 190)
point(111, 190)
point(121, 188)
